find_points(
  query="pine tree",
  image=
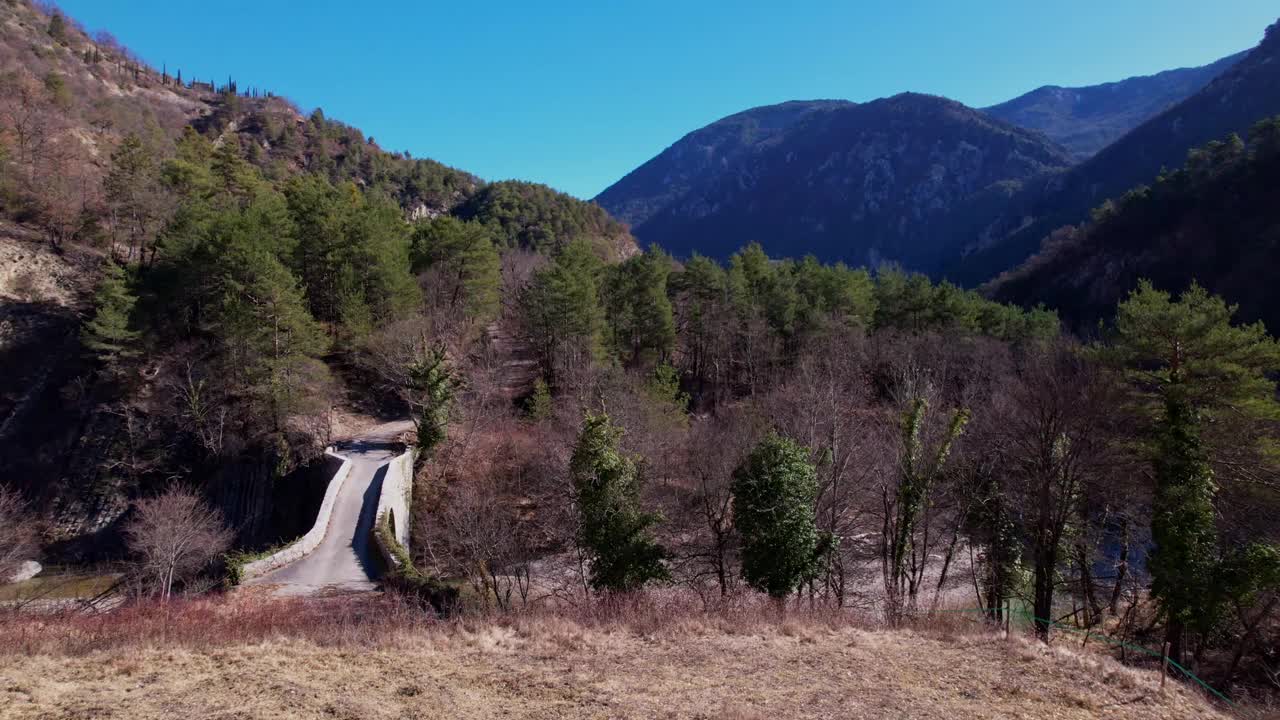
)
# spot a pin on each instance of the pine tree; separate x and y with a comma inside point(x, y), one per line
point(109, 335)
point(561, 313)
point(58, 27)
point(614, 533)
point(537, 406)
point(131, 192)
point(639, 313)
point(1188, 357)
point(774, 491)
point(465, 265)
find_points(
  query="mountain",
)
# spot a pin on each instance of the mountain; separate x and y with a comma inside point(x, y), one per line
point(1242, 95)
point(1086, 119)
point(698, 157)
point(864, 183)
point(1213, 222)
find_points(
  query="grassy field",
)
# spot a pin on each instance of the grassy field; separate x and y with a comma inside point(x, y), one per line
point(212, 661)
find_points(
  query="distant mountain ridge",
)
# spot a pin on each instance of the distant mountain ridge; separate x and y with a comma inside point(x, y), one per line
point(1086, 119)
point(1213, 222)
point(1245, 93)
point(860, 182)
point(913, 179)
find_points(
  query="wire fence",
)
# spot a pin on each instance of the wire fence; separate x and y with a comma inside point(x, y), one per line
point(1032, 619)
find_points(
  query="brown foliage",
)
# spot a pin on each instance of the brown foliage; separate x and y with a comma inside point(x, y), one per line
point(18, 539)
point(175, 535)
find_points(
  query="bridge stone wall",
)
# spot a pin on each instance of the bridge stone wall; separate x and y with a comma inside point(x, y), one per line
point(312, 539)
point(394, 502)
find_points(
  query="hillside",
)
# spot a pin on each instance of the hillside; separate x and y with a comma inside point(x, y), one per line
point(1086, 119)
point(107, 164)
point(1213, 221)
point(536, 217)
point(863, 183)
point(1244, 94)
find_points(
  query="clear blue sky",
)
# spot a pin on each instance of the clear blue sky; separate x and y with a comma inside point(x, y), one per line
point(577, 94)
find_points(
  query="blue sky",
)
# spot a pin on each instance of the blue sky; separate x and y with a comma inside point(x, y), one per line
point(575, 95)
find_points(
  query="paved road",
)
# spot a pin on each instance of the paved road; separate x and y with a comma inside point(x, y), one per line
point(346, 560)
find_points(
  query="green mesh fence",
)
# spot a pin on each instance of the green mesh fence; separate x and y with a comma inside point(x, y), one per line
point(1031, 619)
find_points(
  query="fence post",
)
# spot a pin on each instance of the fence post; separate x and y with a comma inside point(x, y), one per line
point(1164, 664)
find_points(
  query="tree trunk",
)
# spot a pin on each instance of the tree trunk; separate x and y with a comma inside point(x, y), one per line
point(1173, 633)
point(1092, 610)
point(1122, 565)
point(1043, 599)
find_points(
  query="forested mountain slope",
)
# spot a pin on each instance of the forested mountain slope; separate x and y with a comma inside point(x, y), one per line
point(699, 157)
point(1216, 221)
point(862, 183)
point(1244, 94)
point(244, 254)
point(1086, 119)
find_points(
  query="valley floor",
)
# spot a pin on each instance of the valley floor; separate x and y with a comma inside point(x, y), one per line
point(552, 668)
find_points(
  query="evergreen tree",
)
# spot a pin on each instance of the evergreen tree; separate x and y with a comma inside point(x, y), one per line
point(58, 27)
point(560, 311)
point(465, 264)
point(641, 323)
point(774, 491)
point(1187, 357)
point(432, 387)
point(352, 255)
point(131, 190)
point(758, 289)
point(377, 250)
point(700, 295)
point(537, 406)
point(614, 533)
point(832, 293)
point(270, 339)
point(109, 334)
point(903, 301)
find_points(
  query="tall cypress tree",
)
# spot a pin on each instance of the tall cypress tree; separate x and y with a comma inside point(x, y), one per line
point(774, 491)
point(613, 531)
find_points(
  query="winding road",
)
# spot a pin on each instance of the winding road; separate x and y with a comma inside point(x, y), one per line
point(346, 560)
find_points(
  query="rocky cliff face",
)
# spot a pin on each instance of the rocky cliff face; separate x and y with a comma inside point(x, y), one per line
point(863, 183)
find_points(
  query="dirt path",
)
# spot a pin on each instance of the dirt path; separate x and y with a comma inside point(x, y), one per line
point(518, 368)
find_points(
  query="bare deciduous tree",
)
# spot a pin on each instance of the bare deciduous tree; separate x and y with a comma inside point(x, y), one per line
point(17, 534)
point(175, 535)
point(1059, 439)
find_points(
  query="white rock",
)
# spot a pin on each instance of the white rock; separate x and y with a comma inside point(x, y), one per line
point(26, 571)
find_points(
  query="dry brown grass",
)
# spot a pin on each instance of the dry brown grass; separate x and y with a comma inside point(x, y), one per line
point(246, 657)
